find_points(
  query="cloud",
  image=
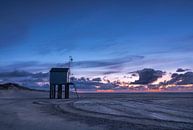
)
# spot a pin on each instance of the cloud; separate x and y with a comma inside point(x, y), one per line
point(110, 72)
point(85, 83)
point(23, 74)
point(109, 63)
point(40, 75)
point(25, 78)
point(35, 80)
point(15, 74)
point(133, 74)
point(182, 70)
point(26, 66)
point(41, 81)
point(147, 76)
point(97, 79)
point(181, 79)
point(150, 86)
point(180, 88)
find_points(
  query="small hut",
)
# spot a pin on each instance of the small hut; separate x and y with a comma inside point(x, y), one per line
point(59, 78)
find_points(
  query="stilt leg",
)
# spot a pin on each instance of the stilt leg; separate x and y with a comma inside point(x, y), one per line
point(59, 91)
point(50, 91)
point(66, 91)
point(54, 91)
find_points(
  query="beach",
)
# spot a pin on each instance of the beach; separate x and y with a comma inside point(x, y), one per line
point(27, 109)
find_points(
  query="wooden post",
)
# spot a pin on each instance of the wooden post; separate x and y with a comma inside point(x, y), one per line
point(54, 91)
point(60, 91)
point(66, 91)
point(50, 91)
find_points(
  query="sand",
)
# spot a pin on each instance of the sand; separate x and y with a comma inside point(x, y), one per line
point(32, 110)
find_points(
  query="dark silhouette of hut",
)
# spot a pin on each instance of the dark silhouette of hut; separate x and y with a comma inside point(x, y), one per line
point(59, 78)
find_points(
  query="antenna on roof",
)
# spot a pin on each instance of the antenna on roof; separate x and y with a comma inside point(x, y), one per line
point(70, 61)
point(70, 73)
point(69, 66)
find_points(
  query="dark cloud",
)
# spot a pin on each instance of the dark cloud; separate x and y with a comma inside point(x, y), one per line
point(89, 64)
point(147, 76)
point(150, 86)
point(85, 83)
point(27, 66)
point(97, 79)
point(40, 75)
point(15, 74)
point(110, 63)
point(181, 79)
point(181, 70)
point(137, 88)
point(174, 75)
point(23, 75)
point(25, 78)
point(133, 74)
point(24, 64)
point(180, 88)
point(41, 80)
point(110, 72)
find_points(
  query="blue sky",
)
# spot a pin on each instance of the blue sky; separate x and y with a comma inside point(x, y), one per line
point(112, 35)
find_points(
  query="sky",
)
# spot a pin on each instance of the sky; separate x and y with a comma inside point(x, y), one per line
point(110, 39)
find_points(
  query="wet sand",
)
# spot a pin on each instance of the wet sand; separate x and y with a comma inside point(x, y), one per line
point(23, 109)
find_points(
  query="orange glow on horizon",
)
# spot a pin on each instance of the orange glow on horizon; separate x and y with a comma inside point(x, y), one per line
point(153, 90)
point(105, 91)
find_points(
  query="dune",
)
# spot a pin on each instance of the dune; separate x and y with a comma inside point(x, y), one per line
point(23, 109)
point(8, 86)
